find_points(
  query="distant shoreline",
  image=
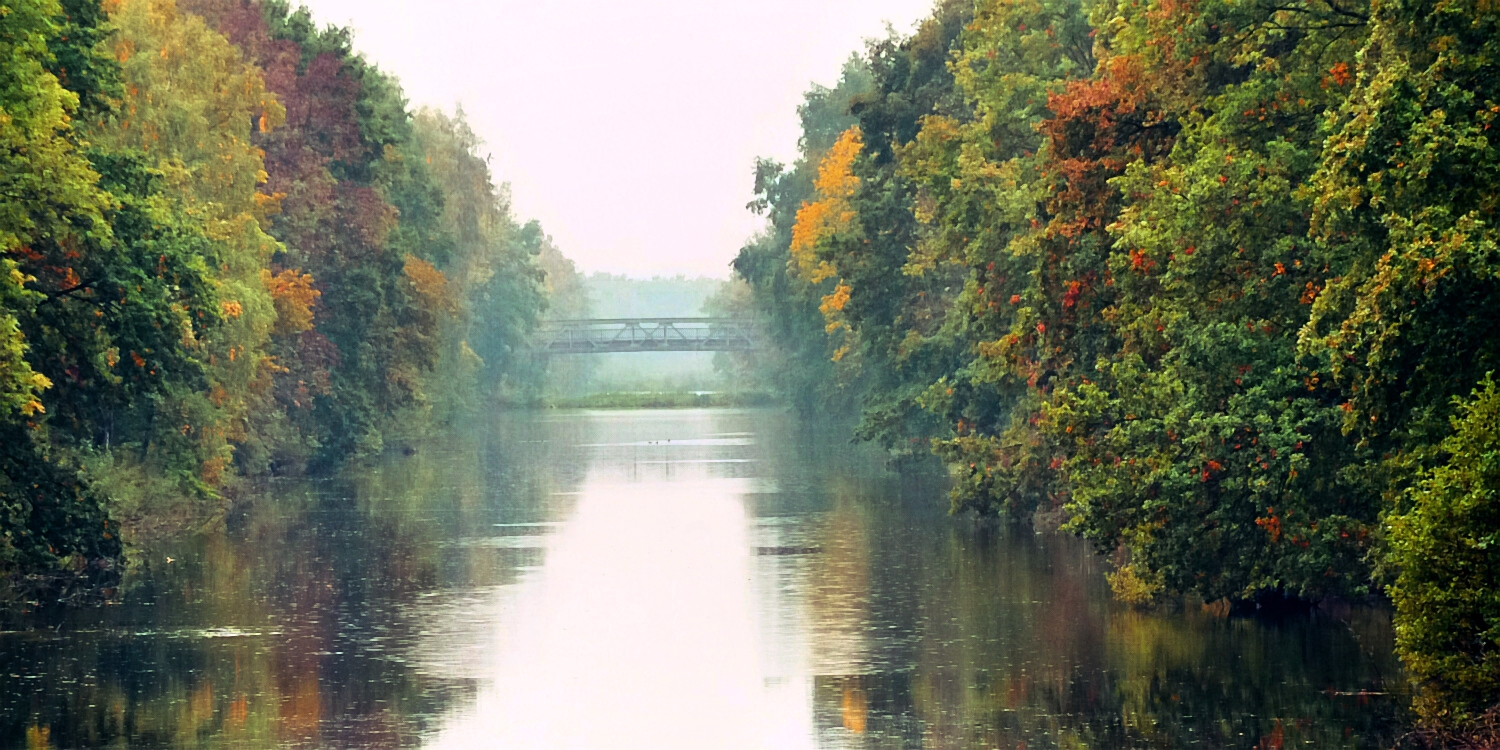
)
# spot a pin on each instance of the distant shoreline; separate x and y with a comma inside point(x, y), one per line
point(663, 400)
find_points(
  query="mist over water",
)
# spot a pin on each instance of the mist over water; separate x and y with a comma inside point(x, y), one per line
point(611, 296)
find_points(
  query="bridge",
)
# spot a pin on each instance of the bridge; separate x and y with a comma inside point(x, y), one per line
point(605, 336)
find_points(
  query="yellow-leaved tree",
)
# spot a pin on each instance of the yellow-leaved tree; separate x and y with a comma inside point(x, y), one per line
point(829, 216)
point(190, 104)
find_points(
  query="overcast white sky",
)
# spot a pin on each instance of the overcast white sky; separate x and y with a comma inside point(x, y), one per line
point(629, 129)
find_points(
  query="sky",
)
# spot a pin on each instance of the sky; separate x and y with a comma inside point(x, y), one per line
point(628, 129)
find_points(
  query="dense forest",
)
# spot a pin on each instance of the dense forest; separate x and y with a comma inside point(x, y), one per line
point(1214, 284)
point(230, 249)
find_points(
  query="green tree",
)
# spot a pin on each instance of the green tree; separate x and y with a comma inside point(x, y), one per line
point(1201, 443)
point(53, 213)
point(1405, 218)
point(1446, 545)
point(981, 202)
point(894, 320)
point(492, 261)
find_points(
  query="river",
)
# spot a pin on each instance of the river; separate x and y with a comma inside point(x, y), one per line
point(664, 579)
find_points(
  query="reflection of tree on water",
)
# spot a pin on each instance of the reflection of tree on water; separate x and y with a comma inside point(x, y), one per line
point(838, 587)
point(855, 709)
point(285, 631)
point(341, 613)
point(936, 632)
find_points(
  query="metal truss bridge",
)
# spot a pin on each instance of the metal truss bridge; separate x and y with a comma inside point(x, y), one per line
point(646, 335)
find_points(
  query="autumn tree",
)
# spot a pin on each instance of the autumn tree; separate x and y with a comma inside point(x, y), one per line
point(51, 517)
point(493, 260)
point(223, 252)
point(1404, 219)
point(191, 102)
point(788, 300)
point(980, 200)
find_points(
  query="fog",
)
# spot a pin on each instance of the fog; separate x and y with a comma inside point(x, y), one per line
point(628, 129)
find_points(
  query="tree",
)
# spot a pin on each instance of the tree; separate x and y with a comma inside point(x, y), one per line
point(788, 303)
point(492, 261)
point(1405, 211)
point(190, 105)
point(981, 199)
point(1445, 545)
point(54, 212)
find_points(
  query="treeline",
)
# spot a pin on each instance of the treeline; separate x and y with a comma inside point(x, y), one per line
point(230, 249)
point(1216, 282)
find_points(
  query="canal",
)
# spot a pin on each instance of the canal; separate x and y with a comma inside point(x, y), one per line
point(665, 579)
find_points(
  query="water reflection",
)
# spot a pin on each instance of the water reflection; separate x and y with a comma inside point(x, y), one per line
point(637, 632)
point(663, 579)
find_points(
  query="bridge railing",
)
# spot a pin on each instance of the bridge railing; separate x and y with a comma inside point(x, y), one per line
point(604, 335)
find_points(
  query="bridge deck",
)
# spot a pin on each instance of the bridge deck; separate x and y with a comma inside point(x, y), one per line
point(606, 335)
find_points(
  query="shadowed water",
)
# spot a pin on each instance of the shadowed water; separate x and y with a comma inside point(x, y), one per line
point(671, 579)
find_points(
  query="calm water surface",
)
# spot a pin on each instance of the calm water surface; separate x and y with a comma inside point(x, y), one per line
point(671, 579)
